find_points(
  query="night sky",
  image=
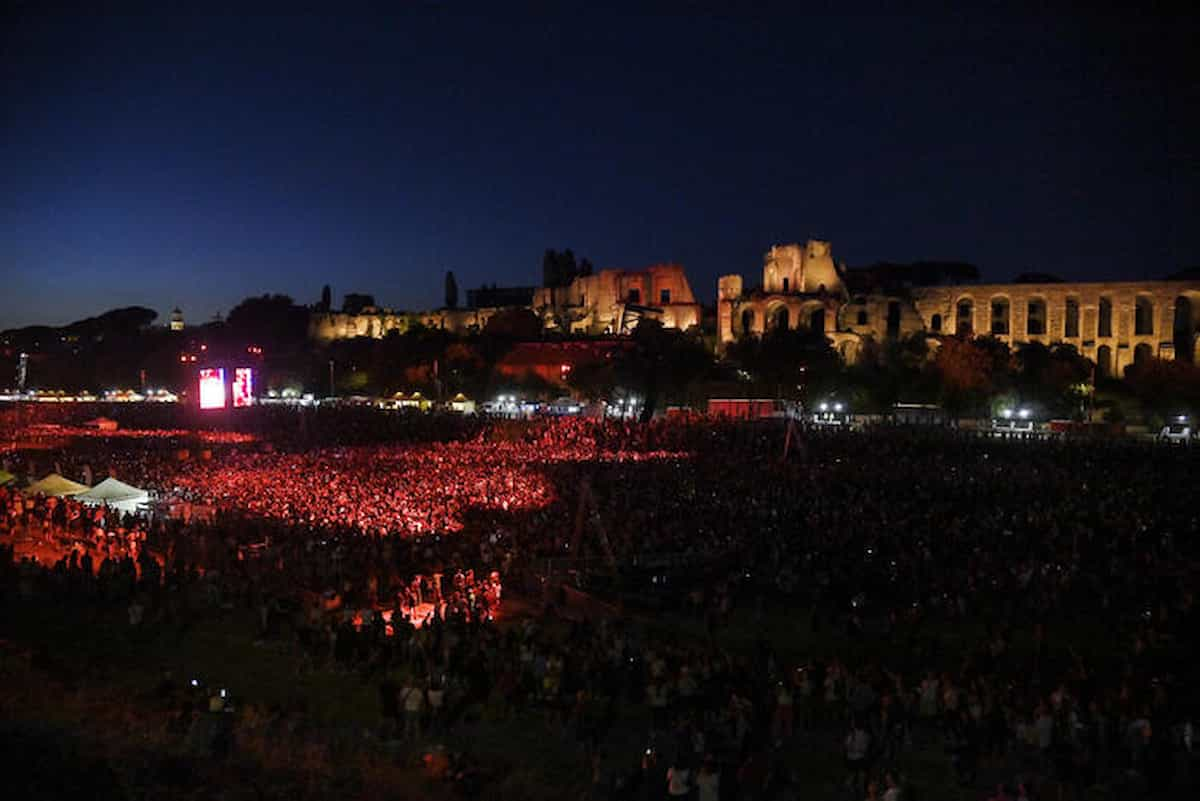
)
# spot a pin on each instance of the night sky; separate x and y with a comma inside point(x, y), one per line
point(164, 160)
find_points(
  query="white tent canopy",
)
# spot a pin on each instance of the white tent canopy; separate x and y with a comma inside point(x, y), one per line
point(117, 494)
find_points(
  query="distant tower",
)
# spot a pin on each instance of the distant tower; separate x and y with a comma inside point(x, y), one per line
point(22, 371)
point(176, 320)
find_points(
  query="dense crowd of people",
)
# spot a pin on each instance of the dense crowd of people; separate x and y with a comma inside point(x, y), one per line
point(1025, 609)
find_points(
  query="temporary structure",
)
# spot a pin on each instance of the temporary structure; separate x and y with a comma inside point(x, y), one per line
point(56, 485)
point(116, 494)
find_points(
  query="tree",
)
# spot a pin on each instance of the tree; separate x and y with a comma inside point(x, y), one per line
point(127, 321)
point(269, 321)
point(560, 269)
point(789, 363)
point(1165, 387)
point(355, 302)
point(966, 371)
point(451, 291)
point(1050, 377)
point(675, 361)
point(463, 369)
point(513, 324)
point(593, 380)
point(894, 371)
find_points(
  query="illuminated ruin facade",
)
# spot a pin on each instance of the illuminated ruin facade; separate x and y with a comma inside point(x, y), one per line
point(609, 302)
point(1112, 323)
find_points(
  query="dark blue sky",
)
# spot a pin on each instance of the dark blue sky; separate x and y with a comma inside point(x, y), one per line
point(163, 160)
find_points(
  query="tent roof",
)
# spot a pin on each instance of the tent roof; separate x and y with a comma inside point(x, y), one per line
point(111, 490)
point(54, 484)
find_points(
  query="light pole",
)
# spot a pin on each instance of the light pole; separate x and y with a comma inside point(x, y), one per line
point(331, 392)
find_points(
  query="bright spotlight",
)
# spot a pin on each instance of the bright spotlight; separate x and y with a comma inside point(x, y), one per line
point(837, 407)
point(824, 407)
point(1006, 414)
point(1024, 414)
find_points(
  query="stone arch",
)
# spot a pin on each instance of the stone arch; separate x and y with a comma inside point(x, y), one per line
point(1035, 317)
point(964, 316)
point(1184, 328)
point(1071, 318)
point(747, 321)
point(1142, 353)
point(1104, 318)
point(816, 320)
point(1104, 364)
point(1001, 316)
point(779, 317)
point(894, 315)
point(1143, 316)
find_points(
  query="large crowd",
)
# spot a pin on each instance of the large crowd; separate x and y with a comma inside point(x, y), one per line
point(1025, 610)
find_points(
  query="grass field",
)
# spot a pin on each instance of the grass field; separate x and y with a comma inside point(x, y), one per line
point(84, 681)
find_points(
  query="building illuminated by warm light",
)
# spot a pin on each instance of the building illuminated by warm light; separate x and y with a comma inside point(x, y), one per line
point(1112, 323)
point(609, 302)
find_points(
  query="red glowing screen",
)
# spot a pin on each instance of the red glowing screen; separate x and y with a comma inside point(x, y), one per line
point(243, 387)
point(212, 388)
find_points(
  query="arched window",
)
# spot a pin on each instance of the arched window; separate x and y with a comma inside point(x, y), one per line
point(935, 323)
point(1184, 330)
point(1143, 316)
point(1104, 319)
point(1071, 319)
point(748, 321)
point(1000, 316)
point(781, 319)
point(862, 317)
point(1142, 353)
point(785, 285)
point(1104, 361)
point(1035, 317)
point(964, 323)
point(893, 319)
point(816, 321)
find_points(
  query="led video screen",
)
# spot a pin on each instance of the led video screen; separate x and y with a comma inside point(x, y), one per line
point(243, 387)
point(212, 388)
